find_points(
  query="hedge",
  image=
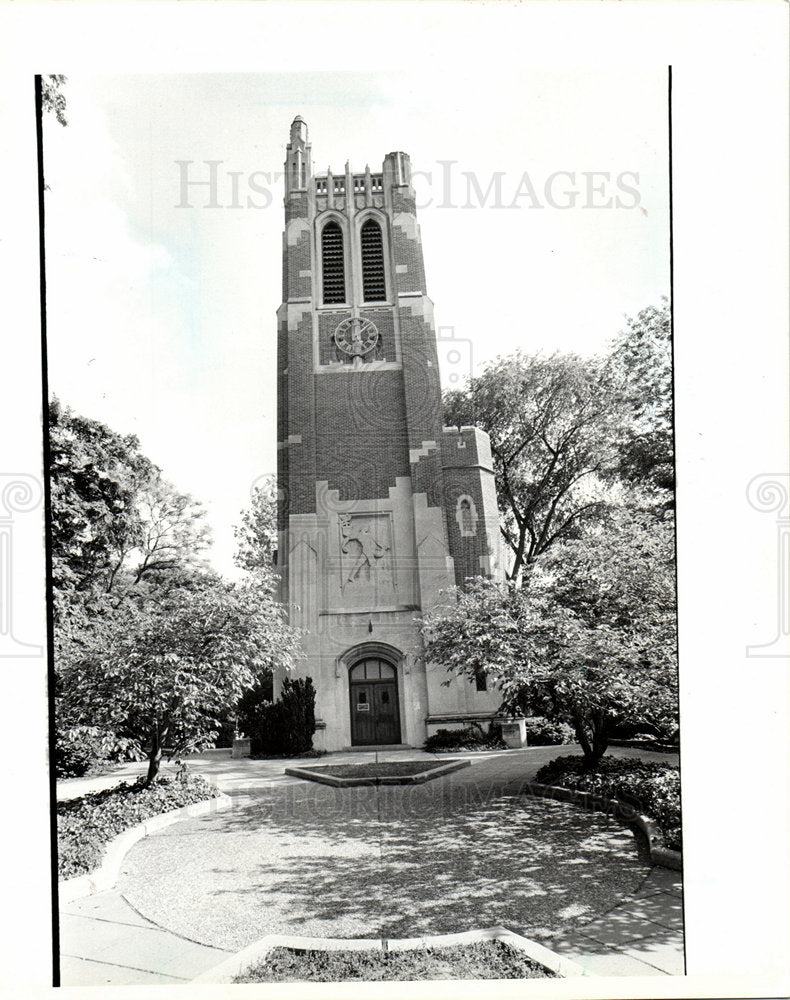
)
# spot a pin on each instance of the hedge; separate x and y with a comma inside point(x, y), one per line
point(467, 738)
point(544, 732)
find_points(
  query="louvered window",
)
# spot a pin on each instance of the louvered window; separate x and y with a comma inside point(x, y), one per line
point(332, 263)
point(373, 286)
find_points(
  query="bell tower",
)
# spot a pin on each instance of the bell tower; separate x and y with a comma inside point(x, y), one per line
point(372, 526)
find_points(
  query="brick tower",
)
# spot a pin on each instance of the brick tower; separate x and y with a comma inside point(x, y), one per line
point(380, 507)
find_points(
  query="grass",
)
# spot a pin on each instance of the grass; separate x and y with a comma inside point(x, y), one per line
point(484, 960)
point(88, 823)
point(384, 769)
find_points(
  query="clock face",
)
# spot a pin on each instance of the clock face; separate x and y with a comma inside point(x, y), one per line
point(356, 337)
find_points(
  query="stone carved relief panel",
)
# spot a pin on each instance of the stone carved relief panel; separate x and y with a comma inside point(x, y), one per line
point(366, 559)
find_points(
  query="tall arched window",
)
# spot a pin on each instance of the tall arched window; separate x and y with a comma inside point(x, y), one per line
point(332, 263)
point(373, 285)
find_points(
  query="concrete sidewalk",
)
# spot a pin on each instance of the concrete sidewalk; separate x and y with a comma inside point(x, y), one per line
point(466, 850)
point(641, 936)
point(105, 942)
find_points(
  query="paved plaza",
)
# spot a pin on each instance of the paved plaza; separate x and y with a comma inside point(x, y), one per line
point(464, 851)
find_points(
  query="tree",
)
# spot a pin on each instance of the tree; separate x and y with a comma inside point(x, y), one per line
point(640, 372)
point(53, 99)
point(590, 642)
point(95, 478)
point(123, 542)
point(166, 670)
point(257, 533)
point(551, 424)
point(617, 588)
point(173, 532)
point(115, 520)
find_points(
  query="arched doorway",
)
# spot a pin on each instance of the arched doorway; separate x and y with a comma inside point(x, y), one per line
point(375, 713)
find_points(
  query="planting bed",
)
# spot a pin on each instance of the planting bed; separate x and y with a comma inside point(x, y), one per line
point(386, 772)
point(483, 960)
point(87, 824)
point(651, 787)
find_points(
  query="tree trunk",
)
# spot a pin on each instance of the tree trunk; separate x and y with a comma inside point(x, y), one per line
point(600, 737)
point(154, 761)
point(155, 756)
point(581, 736)
point(595, 743)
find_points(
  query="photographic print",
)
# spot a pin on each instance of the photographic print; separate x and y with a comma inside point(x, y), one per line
point(360, 445)
point(393, 516)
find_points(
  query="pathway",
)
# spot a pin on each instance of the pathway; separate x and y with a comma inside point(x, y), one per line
point(463, 851)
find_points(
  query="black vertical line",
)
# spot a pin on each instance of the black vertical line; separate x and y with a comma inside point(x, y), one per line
point(675, 470)
point(53, 816)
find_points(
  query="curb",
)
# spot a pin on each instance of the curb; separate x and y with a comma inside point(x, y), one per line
point(393, 779)
point(227, 970)
point(659, 855)
point(106, 875)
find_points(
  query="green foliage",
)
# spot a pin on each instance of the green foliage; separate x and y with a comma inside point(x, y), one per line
point(285, 727)
point(482, 960)
point(552, 424)
point(465, 738)
point(150, 646)
point(115, 520)
point(651, 787)
point(257, 534)
point(590, 641)
point(546, 732)
point(87, 824)
point(173, 533)
point(640, 372)
point(53, 100)
point(169, 668)
point(79, 749)
point(382, 769)
point(252, 703)
point(567, 432)
point(95, 476)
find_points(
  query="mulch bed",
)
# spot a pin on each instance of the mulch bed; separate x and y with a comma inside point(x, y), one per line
point(484, 960)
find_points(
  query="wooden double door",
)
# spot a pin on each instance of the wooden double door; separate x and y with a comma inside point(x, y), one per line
point(375, 712)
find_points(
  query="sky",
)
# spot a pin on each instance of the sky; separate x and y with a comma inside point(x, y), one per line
point(543, 198)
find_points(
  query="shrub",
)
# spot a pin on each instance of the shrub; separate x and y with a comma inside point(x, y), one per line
point(544, 732)
point(468, 738)
point(226, 729)
point(282, 728)
point(651, 787)
point(247, 715)
point(81, 748)
point(649, 736)
point(87, 824)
